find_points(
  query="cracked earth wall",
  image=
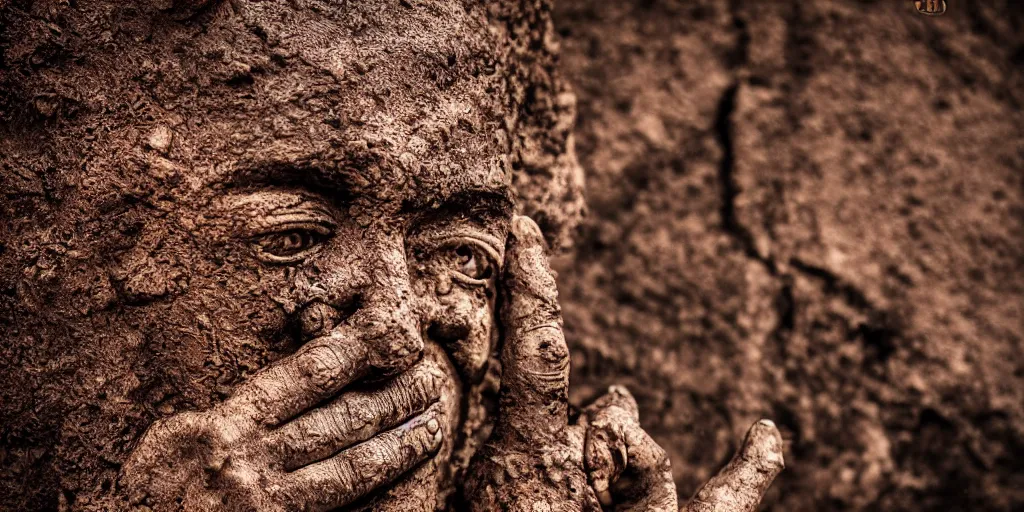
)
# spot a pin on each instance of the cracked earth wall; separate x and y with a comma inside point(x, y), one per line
point(812, 212)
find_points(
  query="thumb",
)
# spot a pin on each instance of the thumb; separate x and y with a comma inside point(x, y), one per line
point(741, 485)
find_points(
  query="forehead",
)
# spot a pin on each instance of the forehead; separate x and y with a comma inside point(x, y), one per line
point(392, 98)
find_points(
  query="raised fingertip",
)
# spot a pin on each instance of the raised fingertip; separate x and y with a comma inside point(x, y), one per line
point(763, 446)
point(625, 399)
point(526, 231)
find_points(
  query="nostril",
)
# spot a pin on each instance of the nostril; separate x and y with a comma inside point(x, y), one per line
point(446, 333)
point(315, 319)
point(318, 318)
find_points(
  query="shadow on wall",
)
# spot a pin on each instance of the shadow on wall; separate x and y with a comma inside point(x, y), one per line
point(807, 211)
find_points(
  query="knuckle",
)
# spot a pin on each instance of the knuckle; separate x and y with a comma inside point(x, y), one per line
point(221, 433)
point(323, 364)
point(162, 430)
point(345, 472)
point(366, 414)
point(344, 414)
point(434, 381)
point(196, 427)
point(185, 423)
point(319, 429)
point(281, 445)
point(550, 344)
point(417, 388)
point(374, 463)
point(393, 403)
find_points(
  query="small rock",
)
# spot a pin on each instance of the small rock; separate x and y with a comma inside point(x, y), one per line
point(160, 139)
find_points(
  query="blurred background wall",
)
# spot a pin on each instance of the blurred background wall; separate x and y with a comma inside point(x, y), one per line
point(812, 212)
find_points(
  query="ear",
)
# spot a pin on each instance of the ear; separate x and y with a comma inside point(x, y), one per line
point(546, 174)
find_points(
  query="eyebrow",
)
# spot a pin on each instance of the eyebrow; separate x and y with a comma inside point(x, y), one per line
point(475, 203)
point(342, 181)
point(339, 181)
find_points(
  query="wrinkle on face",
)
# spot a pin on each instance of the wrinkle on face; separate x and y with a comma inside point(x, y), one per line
point(384, 124)
point(398, 271)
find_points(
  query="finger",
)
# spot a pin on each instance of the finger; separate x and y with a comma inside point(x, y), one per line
point(356, 416)
point(646, 483)
point(605, 453)
point(354, 473)
point(316, 372)
point(625, 465)
point(535, 358)
point(617, 396)
point(740, 486)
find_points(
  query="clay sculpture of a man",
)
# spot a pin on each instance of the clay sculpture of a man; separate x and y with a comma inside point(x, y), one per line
point(266, 255)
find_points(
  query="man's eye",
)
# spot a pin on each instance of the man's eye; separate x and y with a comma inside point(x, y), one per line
point(288, 245)
point(471, 262)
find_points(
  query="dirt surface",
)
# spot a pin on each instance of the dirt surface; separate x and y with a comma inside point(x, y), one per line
point(811, 212)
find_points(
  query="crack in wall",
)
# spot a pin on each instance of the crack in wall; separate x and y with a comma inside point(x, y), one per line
point(880, 327)
point(729, 190)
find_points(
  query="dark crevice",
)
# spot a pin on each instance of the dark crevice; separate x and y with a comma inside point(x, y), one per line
point(723, 132)
point(738, 60)
point(879, 333)
point(835, 284)
point(881, 330)
point(729, 190)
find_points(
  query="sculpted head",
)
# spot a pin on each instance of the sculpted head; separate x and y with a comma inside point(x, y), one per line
point(233, 180)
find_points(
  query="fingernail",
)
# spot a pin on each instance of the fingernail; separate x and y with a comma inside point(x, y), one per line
point(764, 445)
point(434, 427)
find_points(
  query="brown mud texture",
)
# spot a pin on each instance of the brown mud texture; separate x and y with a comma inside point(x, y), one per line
point(197, 196)
point(810, 212)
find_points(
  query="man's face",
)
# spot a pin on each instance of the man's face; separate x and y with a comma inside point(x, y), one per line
point(332, 179)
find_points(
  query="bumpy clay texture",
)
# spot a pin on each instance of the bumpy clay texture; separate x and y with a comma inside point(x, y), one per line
point(271, 255)
point(813, 212)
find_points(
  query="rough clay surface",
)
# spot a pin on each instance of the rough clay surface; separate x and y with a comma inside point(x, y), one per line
point(155, 158)
point(811, 212)
point(788, 219)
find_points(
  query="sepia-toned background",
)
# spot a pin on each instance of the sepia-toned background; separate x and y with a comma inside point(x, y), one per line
point(812, 212)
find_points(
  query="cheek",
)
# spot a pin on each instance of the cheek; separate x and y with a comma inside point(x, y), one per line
point(206, 340)
point(235, 316)
point(233, 320)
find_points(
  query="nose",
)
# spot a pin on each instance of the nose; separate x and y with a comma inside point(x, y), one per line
point(373, 280)
point(386, 320)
